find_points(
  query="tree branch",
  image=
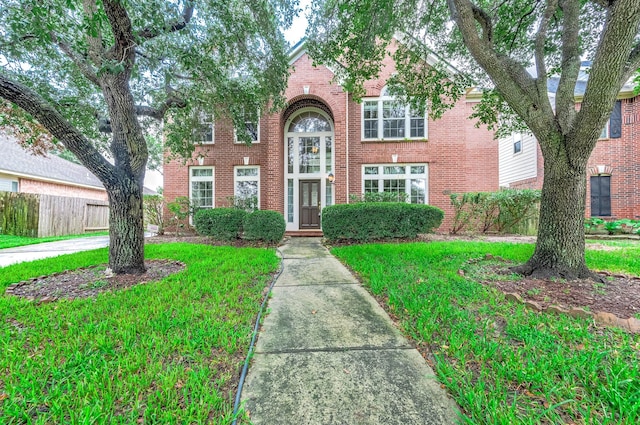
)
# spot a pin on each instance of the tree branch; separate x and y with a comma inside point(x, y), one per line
point(158, 113)
point(57, 125)
point(94, 42)
point(633, 63)
point(513, 82)
point(540, 41)
point(176, 25)
point(86, 69)
point(610, 62)
point(570, 66)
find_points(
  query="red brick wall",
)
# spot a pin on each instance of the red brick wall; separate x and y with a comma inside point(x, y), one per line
point(460, 157)
point(47, 188)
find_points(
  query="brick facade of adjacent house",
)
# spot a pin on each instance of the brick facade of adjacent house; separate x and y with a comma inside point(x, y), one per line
point(459, 157)
point(59, 189)
point(617, 157)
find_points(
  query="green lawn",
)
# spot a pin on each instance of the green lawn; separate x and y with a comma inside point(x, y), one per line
point(502, 363)
point(10, 241)
point(164, 353)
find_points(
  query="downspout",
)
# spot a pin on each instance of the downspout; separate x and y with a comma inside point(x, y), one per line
point(346, 102)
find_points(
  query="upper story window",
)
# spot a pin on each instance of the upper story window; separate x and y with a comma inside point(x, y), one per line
point(517, 145)
point(309, 122)
point(386, 118)
point(252, 127)
point(204, 133)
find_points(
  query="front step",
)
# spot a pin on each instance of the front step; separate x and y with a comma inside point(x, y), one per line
point(304, 233)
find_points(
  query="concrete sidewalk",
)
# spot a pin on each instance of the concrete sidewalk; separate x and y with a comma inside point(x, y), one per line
point(20, 254)
point(328, 354)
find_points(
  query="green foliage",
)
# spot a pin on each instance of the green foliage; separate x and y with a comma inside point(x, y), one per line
point(181, 209)
point(370, 221)
point(248, 204)
point(154, 211)
point(597, 225)
point(379, 197)
point(131, 356)
point(500, 211)
point(224, 224)
point(485, 347)
point(264, 225)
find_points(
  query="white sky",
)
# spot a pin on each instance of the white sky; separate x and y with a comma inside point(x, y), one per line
point(299, 25)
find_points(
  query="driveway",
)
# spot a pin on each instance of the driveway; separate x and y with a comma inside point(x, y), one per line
point(21, 254)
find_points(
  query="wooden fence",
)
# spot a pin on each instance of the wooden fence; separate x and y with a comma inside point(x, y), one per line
point(26, 214)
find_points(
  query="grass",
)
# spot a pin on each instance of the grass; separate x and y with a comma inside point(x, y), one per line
point(160, 353)
point(502, 363)
point(10, 241)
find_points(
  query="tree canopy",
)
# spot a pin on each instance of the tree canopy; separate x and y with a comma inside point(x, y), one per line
point(100, 75)
point(509, 48)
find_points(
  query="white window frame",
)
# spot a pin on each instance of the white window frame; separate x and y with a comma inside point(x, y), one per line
point(384, 97)
point(211, 178)
point(407, 177)
point(517, 139)
point(202, 121)
point(235, 132)
point(237, 179)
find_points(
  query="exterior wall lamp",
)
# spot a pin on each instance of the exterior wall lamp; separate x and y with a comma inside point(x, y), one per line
point(331, 178)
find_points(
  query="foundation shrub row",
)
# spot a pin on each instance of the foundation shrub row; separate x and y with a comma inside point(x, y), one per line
point(369, 221)
point(228, 224)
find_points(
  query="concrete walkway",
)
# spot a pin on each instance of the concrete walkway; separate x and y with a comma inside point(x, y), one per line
point(50, 249)
point(329, 354)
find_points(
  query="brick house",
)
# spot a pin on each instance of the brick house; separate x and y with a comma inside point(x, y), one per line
point(613, 170)
point(20, 171)
point(324, 147)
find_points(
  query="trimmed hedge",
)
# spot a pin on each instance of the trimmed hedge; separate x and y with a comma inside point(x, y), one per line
point(376, 220)
point(264, 225)
point(223, 224)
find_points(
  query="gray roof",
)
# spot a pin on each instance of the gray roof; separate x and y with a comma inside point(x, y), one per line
point(14, 159)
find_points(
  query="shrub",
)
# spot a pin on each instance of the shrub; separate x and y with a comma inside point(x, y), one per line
point(154, 211)
point(502, 211)
point(369, 221)
point(224, 224)
point(379, 197)
point(264, 225)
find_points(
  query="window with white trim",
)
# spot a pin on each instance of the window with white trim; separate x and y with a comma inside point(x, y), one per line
point(252, 127)
point(201, 189)
point(205, 132)
point(387, 118)
point(517, 145)
point(247, 184)
point(410, 179)
point(604, 134)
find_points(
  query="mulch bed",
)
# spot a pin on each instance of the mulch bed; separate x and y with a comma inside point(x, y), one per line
point(90, 281)
point(619, 294)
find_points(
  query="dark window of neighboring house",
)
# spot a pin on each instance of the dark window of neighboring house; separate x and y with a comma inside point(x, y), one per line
point(615, 121)
point(517, 146)
point(601, 196)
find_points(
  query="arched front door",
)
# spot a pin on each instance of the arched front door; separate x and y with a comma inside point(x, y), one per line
point(309, 159)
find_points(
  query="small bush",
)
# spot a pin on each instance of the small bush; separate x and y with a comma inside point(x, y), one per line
point(223, 224)
point(372, 221)
point(264, 225)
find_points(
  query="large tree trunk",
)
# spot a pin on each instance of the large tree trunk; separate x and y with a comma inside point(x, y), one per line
point(560, 247)
point(126, 228)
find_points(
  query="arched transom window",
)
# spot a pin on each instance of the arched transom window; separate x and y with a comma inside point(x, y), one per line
point(309, 122)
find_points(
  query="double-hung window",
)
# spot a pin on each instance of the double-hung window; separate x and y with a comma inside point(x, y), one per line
point(386, 118)
point(252, 129)
point(201, 188)
point(204, 132)
point(247, 186)
point(410, 180)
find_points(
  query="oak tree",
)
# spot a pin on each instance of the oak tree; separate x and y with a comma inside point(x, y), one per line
point(99, 75)
point(510, 48)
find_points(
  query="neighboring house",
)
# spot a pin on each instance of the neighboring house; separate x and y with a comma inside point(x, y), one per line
point(20, 171)
point(324, 147)
point(613, 170)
